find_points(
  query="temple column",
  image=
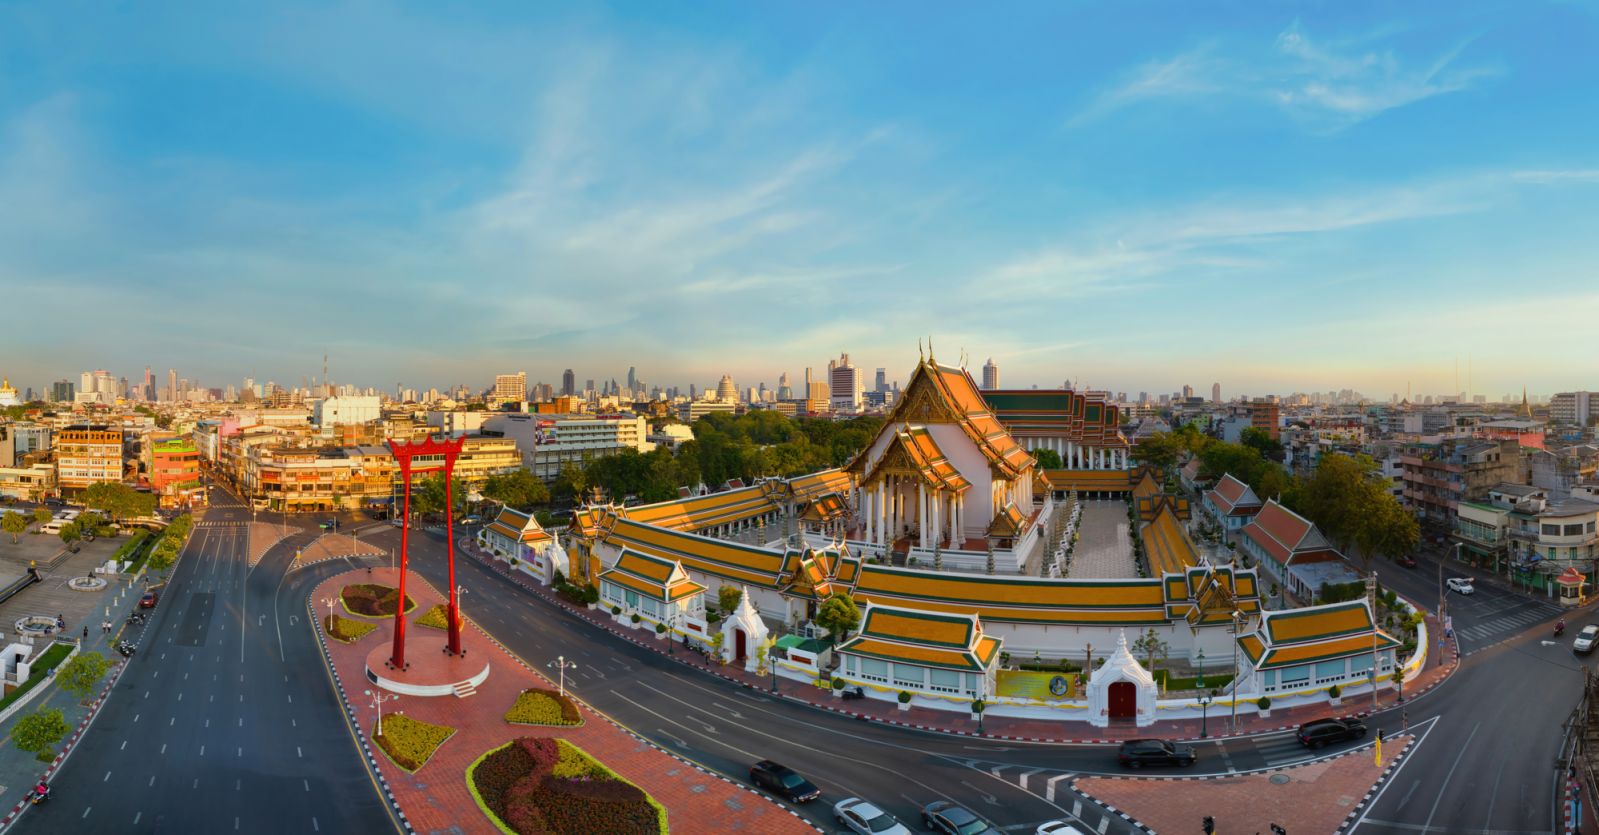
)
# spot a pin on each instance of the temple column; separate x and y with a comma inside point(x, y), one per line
point(880, 508)
point(866, 517)
point(937, 534)
point(921, 513)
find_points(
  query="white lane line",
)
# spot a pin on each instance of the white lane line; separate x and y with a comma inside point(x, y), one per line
point(1049, 788)
point(202, 750)
point(124, 745)
point(86, 810)
point(316, 827)
point(136, 717)
point(152, 779)
point(107, 777)
point(163, 747)
point(307, 783)
point(136, 818)
point(298, 752)
point(1441, 789)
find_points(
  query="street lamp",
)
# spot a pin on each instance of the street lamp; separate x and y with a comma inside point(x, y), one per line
point(329, 601)
point(1204, 714)
point(1238, 627)
point(771, 662)
point(671, 631)
point(377, 701)
point(560, 663)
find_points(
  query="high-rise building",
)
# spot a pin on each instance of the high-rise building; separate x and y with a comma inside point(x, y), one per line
point(785, 391)
point(511, 388)
point(172, 384)
point(726, 391)
point(1188, 392)
point(632, 380)
point(990, 375)
point(1574, 407)
point(61, 391)
point(816, 397)
point(568, 382)
point(1215, 392)
point(881, 381)
point(846, 383)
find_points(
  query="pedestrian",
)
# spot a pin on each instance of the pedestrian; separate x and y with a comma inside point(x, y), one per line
point(86, 633)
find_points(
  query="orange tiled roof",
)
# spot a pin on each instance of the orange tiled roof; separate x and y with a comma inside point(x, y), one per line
point(661, 579)
point(1016, 599)
point(1086, 418)
point(1113, 481)
point(1008, 522)
point(923, 637)
point(1167, 546)
point(727, 560)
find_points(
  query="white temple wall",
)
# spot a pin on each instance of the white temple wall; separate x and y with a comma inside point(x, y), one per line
point(971, 463)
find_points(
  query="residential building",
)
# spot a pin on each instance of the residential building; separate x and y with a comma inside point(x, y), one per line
point(693, 410)
point(87, 454)
point(990, 376)
point(1439, 476)
point(847, 384)
point(280, 477)
point(1521, 528)
point(457, 422)
point(1558, 471)
point(1293, 551)
point(1577, 408)
point(173, 464)
point(1263, 415)
point(549, 443)
point(671, 435)
point(333, 411)
point(1232, 503)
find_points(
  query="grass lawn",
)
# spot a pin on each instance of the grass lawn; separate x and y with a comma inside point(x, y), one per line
point(543, 707)
point(41, 667)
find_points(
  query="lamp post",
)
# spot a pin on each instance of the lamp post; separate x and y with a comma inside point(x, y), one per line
point(560, 663)
point(771, 662)
point(1204, 714)
point(671, 630)
point(377, 701)
point(329, 601)
point(1238, 627)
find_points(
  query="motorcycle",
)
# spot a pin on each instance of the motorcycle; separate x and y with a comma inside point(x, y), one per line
point(857, 693)
point(35, 797)
point(1560, 629)
point(126, 649)
point(136, 619)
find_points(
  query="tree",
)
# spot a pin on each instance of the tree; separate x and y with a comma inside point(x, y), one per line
point(838, 615)
point(165, 553)
point(1261, 441)
point(428, 496)
point(1151, 646)
point(14, 524)
point(39, 731)
point(41, 515)
point(119, 501)
point(70, 533)
point(518, 489)
point(1158, 450)
point(727, 598)
point(80, 675)
point(1047, 459)
point(571, 484)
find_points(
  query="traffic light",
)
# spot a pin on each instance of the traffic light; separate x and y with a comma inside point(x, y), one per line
point(1209, 825)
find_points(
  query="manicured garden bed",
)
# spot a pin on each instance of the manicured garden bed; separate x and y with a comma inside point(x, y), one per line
point(536, 706)
point(410, 742)
point(372, 600)
point(41, 667)
point(437, 617)
point(346, 630)
point(536, 786)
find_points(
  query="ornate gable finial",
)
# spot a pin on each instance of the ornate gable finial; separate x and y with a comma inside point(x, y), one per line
point(930, 349)
point(920, 357)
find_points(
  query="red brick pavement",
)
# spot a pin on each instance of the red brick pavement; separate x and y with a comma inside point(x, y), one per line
point(436, 798)
point(1440, 664)
point(1318, 797)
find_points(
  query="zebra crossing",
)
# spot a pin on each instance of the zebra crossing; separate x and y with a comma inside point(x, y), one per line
point(1497, 624)
point(222, 524)
point(1054, 786)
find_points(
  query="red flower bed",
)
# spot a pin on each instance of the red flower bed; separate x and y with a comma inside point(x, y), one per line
point(516, 783)
point(373, 600)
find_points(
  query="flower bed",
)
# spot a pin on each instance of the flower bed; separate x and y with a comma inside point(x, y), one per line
point(346, 630)
point(536, 706)
point(535, 786)
point(409, 742)
point(437, 617)
point(372, 600)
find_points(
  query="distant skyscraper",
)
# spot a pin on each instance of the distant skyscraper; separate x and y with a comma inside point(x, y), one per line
point(846, 384)
point(632, 380)
point(726, 390)
point(882, 380)
point(61, 391)
point(589, 385)
point(172, 384)
point(990, 375)
point(785, 390)
point(1215, 392)
point(1188, 392)
point(568, 382)
point(510, 388)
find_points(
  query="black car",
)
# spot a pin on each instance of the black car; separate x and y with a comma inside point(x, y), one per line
point(1322, 731)
point(1137, 753)
point(951, 819)
point(783, 781)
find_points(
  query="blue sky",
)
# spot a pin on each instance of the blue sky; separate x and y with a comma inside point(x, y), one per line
point(1135, 195)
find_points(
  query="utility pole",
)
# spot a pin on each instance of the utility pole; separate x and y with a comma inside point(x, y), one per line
point(1371, 592)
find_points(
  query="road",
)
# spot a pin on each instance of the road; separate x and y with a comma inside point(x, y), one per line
point(225, 720)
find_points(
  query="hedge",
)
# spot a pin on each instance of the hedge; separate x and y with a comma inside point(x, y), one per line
point(437, 617)
point(372, 600)
point(346, 630)
point(536, 786)
point(537, 706)
point(410, 742)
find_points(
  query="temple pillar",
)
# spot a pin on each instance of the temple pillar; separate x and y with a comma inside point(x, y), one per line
point(921, 513)
point(938, 498)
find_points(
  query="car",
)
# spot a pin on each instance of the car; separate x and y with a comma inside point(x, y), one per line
point(149, 600)
point(1137, 753)
point(866, 819)
point(1058, 828)
point(1405, 561)
point(1322, 731)
point(470, 520)
point(1586, 639)
point(1461, 585)
point(950, 818)
point(783, 781)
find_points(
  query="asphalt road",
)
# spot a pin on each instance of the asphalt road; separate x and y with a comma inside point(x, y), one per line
point(225, 720)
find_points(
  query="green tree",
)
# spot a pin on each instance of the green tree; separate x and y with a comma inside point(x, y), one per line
point(1261, 441)
point(70, 533)
point(41, 515)
point(571, 485)
point(428, 496)
point(518, 489)
point(119, 501)
point(839, 616)
point(165, 553)
point(1048, 459)
point(1339, 495)
point(80, 674)
point(39, 731)
point(14, 524)
point(727, 598)
point(1159, 450)
point(1152, 647)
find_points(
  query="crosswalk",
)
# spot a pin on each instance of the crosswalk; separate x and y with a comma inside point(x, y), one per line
point(1491, 627)
point(1054, 786)
point(222, 524)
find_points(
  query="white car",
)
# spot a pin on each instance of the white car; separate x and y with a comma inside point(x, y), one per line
point(1058, 828)
point(866, 819)
point(1586, 639)
point(1460, 584)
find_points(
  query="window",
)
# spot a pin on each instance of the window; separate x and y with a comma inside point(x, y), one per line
point(1551, 530)
point(1330, 670)
point(910, 675)
point(1295, 675)
point(1573, 530)
point(1269, 680)
point(944, 681)
point(873, 669)
point(849, 664)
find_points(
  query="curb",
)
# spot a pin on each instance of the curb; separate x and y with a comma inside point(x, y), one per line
point(72, 742)
point(1371, 793)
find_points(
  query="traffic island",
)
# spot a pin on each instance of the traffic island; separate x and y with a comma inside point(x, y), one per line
point(438, 797)
point(1322, 796)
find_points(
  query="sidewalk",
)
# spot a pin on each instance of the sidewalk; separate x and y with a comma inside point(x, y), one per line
point(437, 799)
point(1441, 662)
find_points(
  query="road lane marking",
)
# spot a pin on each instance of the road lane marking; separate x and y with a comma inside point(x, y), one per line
point(86, 811)
point(124, 745)
point(163, 747)
point(107, 777)
point(1451, 774)
point(1411, 750)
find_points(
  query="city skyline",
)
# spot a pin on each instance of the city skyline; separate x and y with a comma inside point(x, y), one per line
point(1361, 190)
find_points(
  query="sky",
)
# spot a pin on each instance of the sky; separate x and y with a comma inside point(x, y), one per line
point(1277, 197)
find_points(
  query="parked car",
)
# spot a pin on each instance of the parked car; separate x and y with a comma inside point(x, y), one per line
point(1322, 731)
point(1586, 639)
point(783, 781)
point(1460, 584)
point(1137, 753)
point(1406, 561)
point(1058, 828)
point(149, 600)
point(471, 520)
point(866, 819)
point(953, 819)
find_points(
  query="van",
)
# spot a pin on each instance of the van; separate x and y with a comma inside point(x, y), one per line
point(52, 527)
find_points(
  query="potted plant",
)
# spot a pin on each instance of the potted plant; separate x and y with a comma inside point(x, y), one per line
point(1265, 706)
point(1335, 693)
point(591, 597)
point(635, 619)
point(616, 614)
point(838, 687)
point(904, 700)
point(977, 709)
point(660, 631)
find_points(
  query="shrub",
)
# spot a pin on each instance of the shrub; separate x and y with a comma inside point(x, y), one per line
point(346, 630)
point(1263, 703)
point(591, 594)
point(537, 706)
point(904, 697)
point(437, 617)
point(838, 683)
point(373, 600)
point(616, 610)
point(636, 617)
point(539, 786)
point(410, 742)
point(1334, 691)
point(978, 706)
point(659, 628)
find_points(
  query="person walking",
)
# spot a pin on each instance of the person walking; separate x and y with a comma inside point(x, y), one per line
point(86, 633)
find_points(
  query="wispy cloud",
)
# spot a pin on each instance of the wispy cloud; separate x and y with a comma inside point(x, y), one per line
point(1327, 85)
